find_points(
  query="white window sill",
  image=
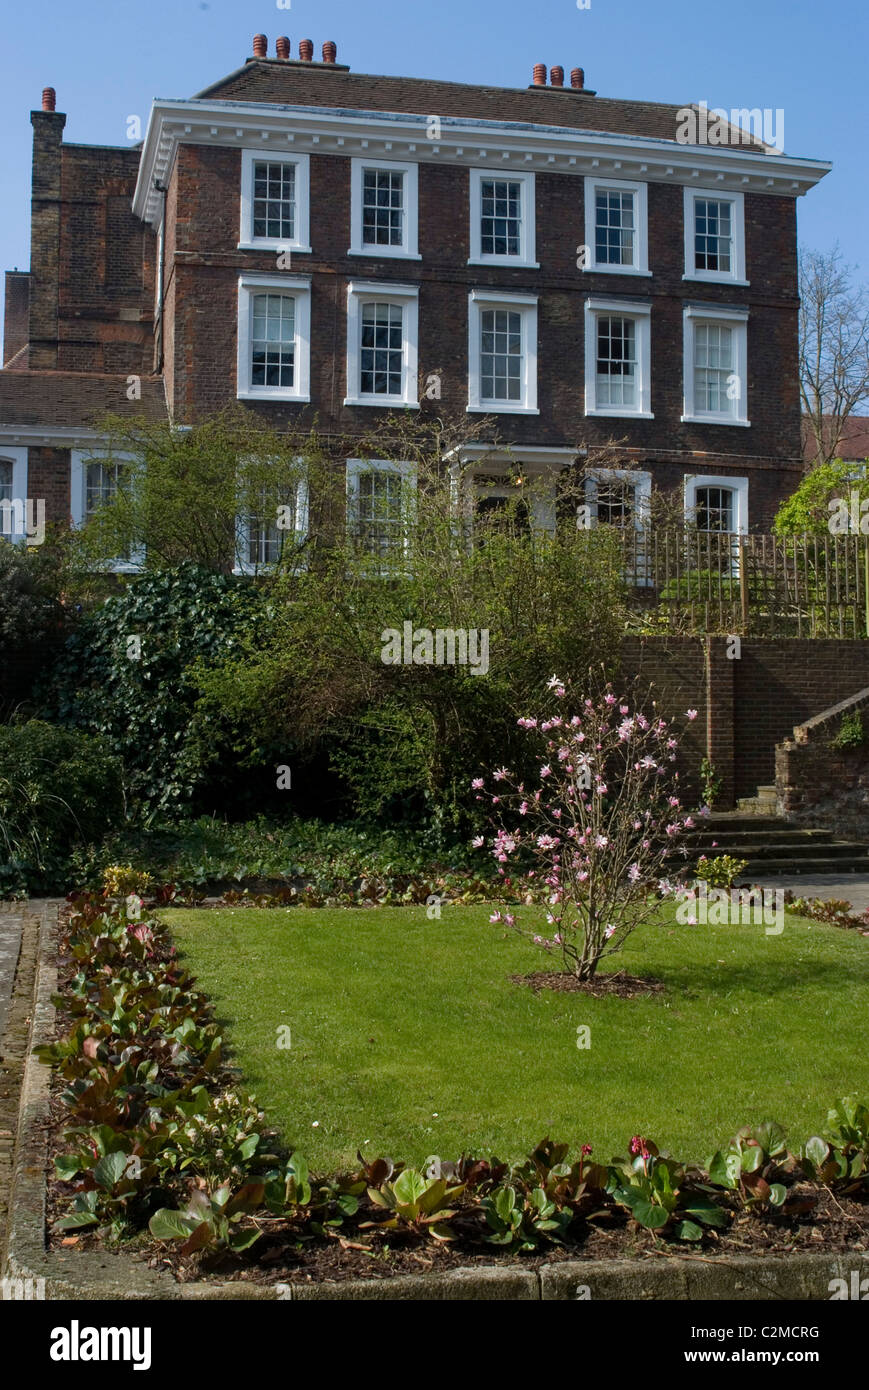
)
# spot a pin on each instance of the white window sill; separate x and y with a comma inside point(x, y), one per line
point(499, 408)
point(377, 253)
point(381, 402)
point(710, 277)
point(616, 270)
point(514, 261)
point(270, 244)
point(714, 420)
point(272, 393)
point(618, 413)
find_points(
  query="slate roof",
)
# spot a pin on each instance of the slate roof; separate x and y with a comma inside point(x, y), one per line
point(74, 400)
point(269, 80)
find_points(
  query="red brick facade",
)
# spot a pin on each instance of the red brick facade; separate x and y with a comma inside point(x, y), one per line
point(745, 705)
point(91, 292)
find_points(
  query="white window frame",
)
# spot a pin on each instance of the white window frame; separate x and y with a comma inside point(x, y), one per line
point(739, 486)
point(637, 478)
point(736, 274)
point(301, 241)
point(641, 312)
point(78, 459)
point(18, 458)
point(360, 292)
point(528, 252)
point(409, 249)
point(640, 264)
point(355, 467)
point(526, 306)
point(298, 534)
point(299, 288)
point(737, 319)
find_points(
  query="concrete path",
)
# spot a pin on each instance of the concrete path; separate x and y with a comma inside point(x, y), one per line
point(852, 888)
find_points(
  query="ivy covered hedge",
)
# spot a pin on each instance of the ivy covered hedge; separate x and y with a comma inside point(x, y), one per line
point(160, 1135)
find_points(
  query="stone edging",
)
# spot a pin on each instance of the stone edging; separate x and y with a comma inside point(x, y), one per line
point(86, 1275)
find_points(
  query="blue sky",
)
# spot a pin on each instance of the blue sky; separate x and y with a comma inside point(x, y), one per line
point(108, 59)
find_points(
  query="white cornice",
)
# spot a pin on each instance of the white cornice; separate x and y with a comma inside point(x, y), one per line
point(48, 436)
point(514, 145)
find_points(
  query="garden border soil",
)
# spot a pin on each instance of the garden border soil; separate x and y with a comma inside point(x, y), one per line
point(86, 1275)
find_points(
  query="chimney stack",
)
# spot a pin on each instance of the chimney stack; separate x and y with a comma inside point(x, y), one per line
point(556, 77)
point(282, 47)
point(306, 50)
point(330, 52)
point(539, 74)
point(260, 46)
point(577, 78)
point(49, 98)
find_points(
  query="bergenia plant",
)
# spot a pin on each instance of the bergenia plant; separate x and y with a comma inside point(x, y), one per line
point(587, 849)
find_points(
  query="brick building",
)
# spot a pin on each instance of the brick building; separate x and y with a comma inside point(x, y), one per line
point(321, 243)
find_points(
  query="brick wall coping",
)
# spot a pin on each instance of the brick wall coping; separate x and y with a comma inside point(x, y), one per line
point(812, 727)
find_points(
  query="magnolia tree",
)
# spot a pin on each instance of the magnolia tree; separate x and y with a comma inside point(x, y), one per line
point(590, 846)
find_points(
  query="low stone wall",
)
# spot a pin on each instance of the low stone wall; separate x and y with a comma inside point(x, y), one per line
point(819, 785)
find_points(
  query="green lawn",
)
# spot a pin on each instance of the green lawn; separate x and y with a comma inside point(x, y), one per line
point(408, 1038)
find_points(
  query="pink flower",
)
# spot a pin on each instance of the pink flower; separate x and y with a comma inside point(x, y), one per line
point(690, 714)
point(495, 917)
point(500, 773)
point(477, 783)
point(610, 931)
point(523, 809)
point(634, 873)
point(609, 699)
point(623, 709)
point(547, 841)
point(638, 1146)
point(545, 771)
point(601, 841)
point(478, 842)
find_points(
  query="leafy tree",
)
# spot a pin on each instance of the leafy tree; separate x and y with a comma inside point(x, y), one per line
point(182, 491)
point(807, 510)
point(404, 735)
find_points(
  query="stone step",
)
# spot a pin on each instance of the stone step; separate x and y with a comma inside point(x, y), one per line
point(803, 865)
point(702, 839)
point(832, 849)
point(733, 821)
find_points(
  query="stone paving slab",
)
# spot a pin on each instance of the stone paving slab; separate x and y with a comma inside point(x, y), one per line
point(10, 945)
point(853, 888)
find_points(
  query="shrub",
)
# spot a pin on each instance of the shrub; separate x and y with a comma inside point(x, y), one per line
point(720, 872)
point(599, 827)
point(58, 790)
point(144, 705)
point(30, 605)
